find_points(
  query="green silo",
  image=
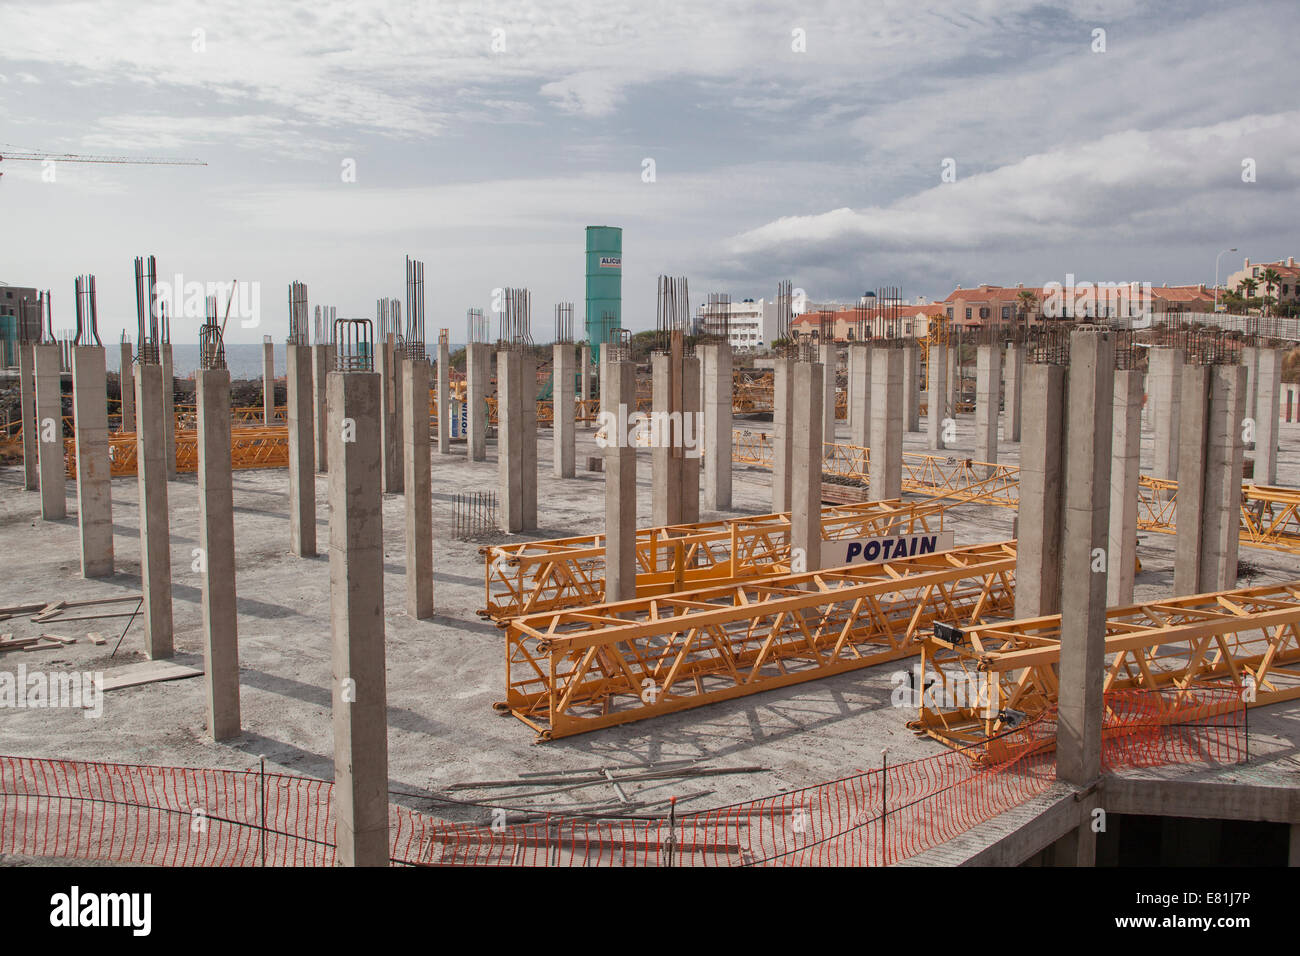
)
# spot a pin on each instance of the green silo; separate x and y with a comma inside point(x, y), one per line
point(604, 283)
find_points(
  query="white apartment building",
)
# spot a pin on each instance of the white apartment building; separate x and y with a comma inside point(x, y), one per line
point(752, 324)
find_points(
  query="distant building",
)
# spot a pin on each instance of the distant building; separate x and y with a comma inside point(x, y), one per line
point(847, 320)
point(752, 324)
point(1286, 292)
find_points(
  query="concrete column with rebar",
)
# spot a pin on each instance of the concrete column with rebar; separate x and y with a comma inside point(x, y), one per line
point(322, 363)
point(446, 417)
point(217, 544)
point(828, 356)
point(675, 465)
point(49, 431)
point(357, 621)
point(390, 373)
point(860, 394)
point(806, 507)
point(1266, 414)
point(988, 398)
point(564, 424)
point(417, 483)
point(94, 480)
point(886, 436)
point(1085, 532)
point(1012, 380)
point(155, 533)
point(268, 380)
point(1164, 370)
point(1038, 548)
point(912, 386)
point(783, 431)
point(717, 374)
point(937, 397)
point(126, 387)
point(510, 436)
point(169, 407)
point(477, 357)
point(618, 391)
point(302, 450)
point(1126, 448)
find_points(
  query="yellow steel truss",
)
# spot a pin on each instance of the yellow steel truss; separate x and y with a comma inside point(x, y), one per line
point(1244, 636)
point(578, 670)
point(532, 576)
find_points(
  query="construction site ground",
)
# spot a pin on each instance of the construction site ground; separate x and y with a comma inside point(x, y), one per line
point(445, 674)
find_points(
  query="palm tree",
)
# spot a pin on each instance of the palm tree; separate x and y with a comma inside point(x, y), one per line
point(1272, 279)
point(1027, 302)
point(1247, 288)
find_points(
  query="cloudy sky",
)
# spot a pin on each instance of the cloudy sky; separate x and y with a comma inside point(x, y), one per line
point(799, 140)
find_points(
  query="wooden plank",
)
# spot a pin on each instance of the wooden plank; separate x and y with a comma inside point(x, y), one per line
point(146, 672)
point(95, 638)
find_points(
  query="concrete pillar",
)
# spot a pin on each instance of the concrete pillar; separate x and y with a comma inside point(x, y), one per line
point(94, 481)
point(322, 363)
point(1225, 451)
point(49, 431)
point(783, 432)
point(1194, 396)
point(1164, 368)
point(418, 484)
point(1267, 403)
point(445, 416)
point(886, 438)
point(717, 375)
point(830, 365)
point(217, 541)
point(1291, 394)
point(1250, 360)
point(528, 442)
point(302, 451)
point(618, 390)
point(954, 374)
point(510, 435)
point(806, 507)
point(1038, 548)
point(268, 380)
point(860, 393)
point(988, 398)
point(27, 405)
point(563, 429)
point(126, 382)
point(390, 372)
point(1012, 378)
point(357, 622)
point(675, 465)
point(155, 543)
point(938, 396)
point(1126, 448)
point(912, 387)
point(584, 365)
point(477, 357)
point(1084, 534)
point(169, 407)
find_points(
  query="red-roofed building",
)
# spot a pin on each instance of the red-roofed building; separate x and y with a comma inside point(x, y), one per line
point(1286, 292)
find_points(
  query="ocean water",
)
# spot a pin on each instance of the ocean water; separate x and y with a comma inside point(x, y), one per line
point(244, 361)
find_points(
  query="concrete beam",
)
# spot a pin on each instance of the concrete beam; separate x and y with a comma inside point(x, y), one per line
point(155, 532)
point(418, 485)
point(94, 480)
point(886, 436)
point(217, 543)
point(302, 450)
point(357, 622)
point(49, 430)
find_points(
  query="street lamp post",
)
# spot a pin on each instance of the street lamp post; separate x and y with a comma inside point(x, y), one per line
point(1216, 278)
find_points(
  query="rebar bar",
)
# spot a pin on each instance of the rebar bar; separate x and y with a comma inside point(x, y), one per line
point(716, 321)
point(354, 341)
point(564, 322)
point(474, 515)
point(414, 338)
point(297, 313)
point(147, 310)
point(618, 346)
point(516, 320)
point(212, 350)
point(476, 326)
point(87, 310)
point(784, 308)
point(672, 311)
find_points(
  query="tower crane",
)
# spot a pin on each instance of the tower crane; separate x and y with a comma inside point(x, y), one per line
point(40, 156)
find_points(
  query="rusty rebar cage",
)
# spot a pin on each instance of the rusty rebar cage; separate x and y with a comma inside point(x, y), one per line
point(564, 322)
point(1127, 354)
point(618, 347)
point(672, 311)
point(474, 515)
point(413, 337)
point(514, 331)
point(715, 322)
point(87, 310)
point(297, 313)
point(784, 308)
point(147, 311)
point(212, 350)
point(354, 341)
point(1048, 345)
point(1209, 346)
point(476, 327)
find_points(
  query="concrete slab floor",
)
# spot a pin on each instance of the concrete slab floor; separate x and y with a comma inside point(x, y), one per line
point(445, 673)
